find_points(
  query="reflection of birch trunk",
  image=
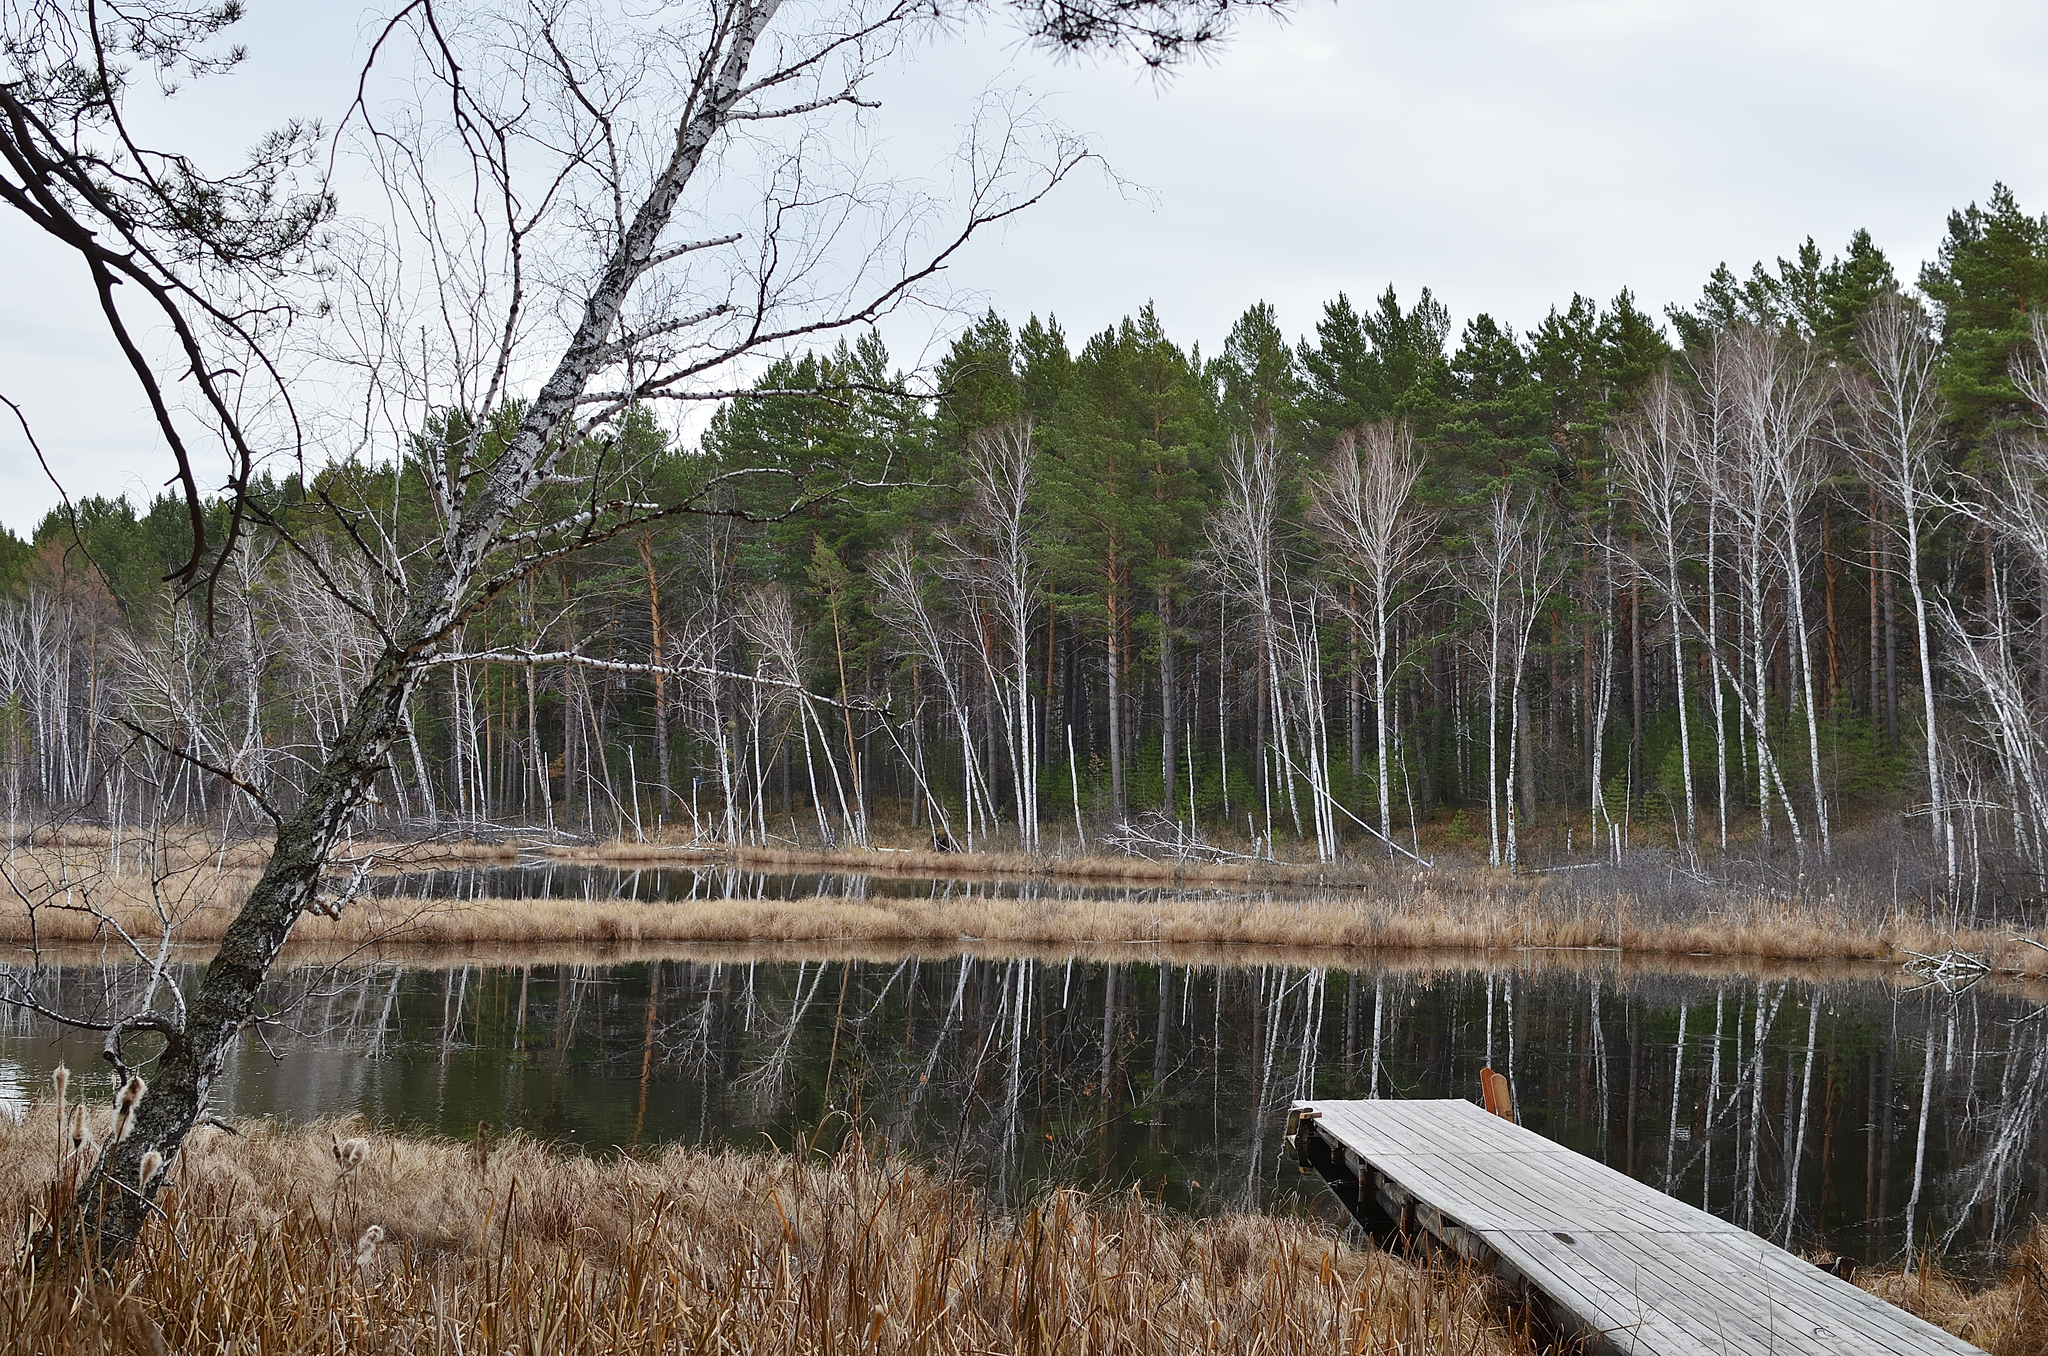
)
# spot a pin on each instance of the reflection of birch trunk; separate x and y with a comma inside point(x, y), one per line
point(1311, 1034)
point(698, 1047)
point(1766, 1016)
point(1379, 1004)
point(1920, 1146)
point(1508, 1002)
point(1275, 999)
point(1997, 1170)
point(1489, 1019)
point(1799, 1135)
point(1020, 1014)
point(1677, 1082)
point(1713, 1095)
point(946, 1022)
point(1598, 1047)
point(376, 1044)
point(769, 1077)
point(1161, 1046)
point(1108, 1038)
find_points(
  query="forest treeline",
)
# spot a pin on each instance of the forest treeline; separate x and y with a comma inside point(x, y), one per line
point(1748, 576)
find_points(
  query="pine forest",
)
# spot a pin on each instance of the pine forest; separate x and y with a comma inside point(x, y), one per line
point(1761, 580)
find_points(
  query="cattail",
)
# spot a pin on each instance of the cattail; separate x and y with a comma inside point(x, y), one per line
point(125, 1104)
point(366, 1246)
point(62, 1078)
point(349, 1154)
point(152, 1164)
point(83, 1148)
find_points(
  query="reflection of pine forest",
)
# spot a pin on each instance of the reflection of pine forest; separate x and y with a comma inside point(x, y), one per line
point(1901, 1123)
point(1771, 574)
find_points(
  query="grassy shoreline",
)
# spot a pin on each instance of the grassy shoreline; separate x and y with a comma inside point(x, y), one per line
point(261, 1245)
point(1382, 908)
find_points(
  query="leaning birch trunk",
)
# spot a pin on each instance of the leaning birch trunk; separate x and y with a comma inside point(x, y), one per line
point(901, 602)
point(110, 1209)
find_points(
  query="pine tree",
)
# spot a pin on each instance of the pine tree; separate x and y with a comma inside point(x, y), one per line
point(1989, 272)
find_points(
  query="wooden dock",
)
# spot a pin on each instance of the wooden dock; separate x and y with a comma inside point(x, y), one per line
point(1619, 1263)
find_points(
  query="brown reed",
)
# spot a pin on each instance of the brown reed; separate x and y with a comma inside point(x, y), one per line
point(2009, 1318)
point(433, 1248)
point(1397, 908)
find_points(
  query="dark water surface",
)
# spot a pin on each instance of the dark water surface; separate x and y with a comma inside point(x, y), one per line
point(1843, 1113)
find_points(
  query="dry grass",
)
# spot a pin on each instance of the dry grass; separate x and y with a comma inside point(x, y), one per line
point(1468, 908)
point(1437, 917)
point(529, 1250)
point(923, 862)
point(2006, 1319)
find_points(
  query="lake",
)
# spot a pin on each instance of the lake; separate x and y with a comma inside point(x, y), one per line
point(1841, 1111)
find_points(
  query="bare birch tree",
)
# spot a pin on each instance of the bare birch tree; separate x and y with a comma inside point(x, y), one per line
point(1511, 573)
point(1650, 453)
point(1781, 395)
point(1365, 504)
point(1899, 413)
point(1244, 554)
point(992, 558)
point(589, 211)
point(1740, 475)
point(901, 602)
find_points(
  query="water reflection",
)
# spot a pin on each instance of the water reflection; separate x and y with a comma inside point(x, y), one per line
point(1841, 1113)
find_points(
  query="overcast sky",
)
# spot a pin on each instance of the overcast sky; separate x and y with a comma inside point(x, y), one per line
point(1505, 153)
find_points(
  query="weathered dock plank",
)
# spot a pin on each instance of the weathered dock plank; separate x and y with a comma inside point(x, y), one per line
point(1617, 1261)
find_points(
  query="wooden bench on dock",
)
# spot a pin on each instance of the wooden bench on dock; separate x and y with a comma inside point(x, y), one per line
point(1612, 1260)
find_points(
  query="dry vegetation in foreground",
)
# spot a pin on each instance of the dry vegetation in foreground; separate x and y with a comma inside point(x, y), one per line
point(2006, 1319)
point(266, 1244)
